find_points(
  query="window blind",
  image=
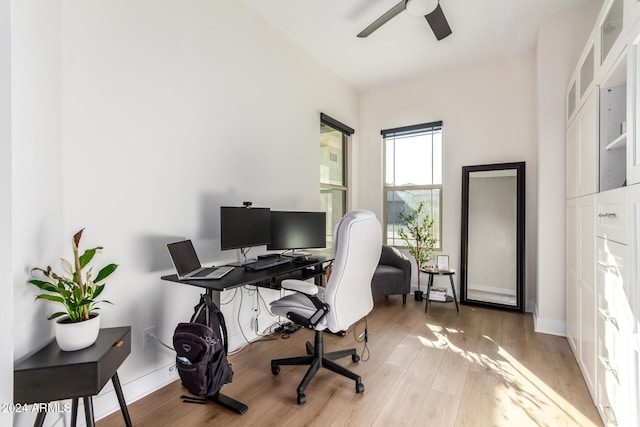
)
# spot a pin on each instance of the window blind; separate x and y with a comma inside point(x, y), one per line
point(412, 130)
point(330, 121)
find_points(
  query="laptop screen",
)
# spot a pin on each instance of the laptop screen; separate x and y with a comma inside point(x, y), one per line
point(184, 257)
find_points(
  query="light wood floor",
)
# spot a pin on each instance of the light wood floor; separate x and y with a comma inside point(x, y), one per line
point(477, 368)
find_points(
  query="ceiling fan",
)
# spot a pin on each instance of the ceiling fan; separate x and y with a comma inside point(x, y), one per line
point(430, 9)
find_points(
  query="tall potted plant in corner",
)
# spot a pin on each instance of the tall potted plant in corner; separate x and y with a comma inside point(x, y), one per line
point(77, 290)
point(418, 236)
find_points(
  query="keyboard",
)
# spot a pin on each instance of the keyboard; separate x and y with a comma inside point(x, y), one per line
point(266, 263)
point(205, 272)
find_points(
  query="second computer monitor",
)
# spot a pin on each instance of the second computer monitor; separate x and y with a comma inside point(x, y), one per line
point(242, 227)
point(292, 230)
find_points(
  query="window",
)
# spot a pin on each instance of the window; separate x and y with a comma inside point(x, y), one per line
point(412, 173)
point(333, 170)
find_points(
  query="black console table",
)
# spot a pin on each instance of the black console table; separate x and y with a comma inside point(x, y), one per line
point(268, 278)
point(52, 374)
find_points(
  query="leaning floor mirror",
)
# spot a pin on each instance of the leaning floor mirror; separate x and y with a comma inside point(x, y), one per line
point(492, 246)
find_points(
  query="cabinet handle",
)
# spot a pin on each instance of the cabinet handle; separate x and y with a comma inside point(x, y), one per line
point(609, 415)
point(604, 265)
point(608, 317)
point(607, 367)
point(607, 215)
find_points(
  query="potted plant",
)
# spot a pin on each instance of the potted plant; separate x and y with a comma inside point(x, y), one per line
point(78, 325)
point(418, 236)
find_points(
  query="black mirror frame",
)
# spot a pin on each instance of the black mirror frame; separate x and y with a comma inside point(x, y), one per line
point(519, 167)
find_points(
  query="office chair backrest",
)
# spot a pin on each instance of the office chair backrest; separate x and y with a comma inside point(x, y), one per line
point(357, 240)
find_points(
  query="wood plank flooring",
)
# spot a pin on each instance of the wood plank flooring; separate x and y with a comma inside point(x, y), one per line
point(478, 367)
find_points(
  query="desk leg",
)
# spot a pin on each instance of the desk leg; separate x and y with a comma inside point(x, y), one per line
point(453, 289)
point(123, 404)
point(226, 401)
point(88, 411)
point(40, 419)
point(229, 403)
point(74, 412)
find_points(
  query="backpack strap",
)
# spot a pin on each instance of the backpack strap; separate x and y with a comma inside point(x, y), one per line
point(214, 313)
point(198, 311)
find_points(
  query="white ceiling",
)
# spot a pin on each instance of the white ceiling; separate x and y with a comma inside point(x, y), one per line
point(405, 46)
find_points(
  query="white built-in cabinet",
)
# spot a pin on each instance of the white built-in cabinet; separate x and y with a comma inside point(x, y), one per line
point(603, 213)
point(586, 290)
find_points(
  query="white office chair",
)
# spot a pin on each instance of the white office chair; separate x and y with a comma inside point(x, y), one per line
point(357, 240)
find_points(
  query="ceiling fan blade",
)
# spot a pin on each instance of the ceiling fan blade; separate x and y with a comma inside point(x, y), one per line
point(395, 10)
point(438, 23)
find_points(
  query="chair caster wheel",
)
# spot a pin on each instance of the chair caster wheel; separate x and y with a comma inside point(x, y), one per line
point(355, 358)
point(302, 399)
point(359, 387)
point(275, 369)
point(309, 348)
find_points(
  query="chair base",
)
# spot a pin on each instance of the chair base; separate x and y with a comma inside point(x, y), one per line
point(317, 359)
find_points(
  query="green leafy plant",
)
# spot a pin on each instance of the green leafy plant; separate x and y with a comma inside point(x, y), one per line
point(76, 290)
point(418, 235)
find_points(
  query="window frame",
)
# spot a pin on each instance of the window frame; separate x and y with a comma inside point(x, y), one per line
point(346, 132)
point(408, 131)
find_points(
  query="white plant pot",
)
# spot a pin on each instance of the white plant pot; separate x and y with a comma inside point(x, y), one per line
point(78, 335)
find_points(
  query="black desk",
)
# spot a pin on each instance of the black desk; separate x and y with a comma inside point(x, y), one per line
point(52, 374)
point(268, 278)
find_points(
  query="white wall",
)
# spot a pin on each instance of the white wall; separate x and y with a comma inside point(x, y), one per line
point(36, 168)
point(37, 161)
point(167, 110)
point(488, 111)
point(6, 314)
point(561, 39)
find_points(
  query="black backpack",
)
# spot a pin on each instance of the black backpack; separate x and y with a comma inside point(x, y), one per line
point(201, 350)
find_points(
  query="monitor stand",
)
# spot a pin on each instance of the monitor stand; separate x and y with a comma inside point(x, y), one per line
point(243, 253)
point(240, 263)
point(294, 253)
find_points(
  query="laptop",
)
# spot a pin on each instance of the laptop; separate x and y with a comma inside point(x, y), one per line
point(188, 266)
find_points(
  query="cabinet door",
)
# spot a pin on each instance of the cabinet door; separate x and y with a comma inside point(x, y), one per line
point(633, 14)
point(632, 287)
point(633, 98)
point(573, 302)
point(572, 160)
point(611, 215)
point(588, 144)
point(614, 368)
point(612, 29)
point(587, 292)
point(632, 293)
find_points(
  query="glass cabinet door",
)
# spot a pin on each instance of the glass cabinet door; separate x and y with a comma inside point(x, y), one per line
point(611, 28)
point(587, 72)
point(571, 100)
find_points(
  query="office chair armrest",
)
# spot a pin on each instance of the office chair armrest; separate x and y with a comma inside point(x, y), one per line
point(309, 290)
point(300, 286)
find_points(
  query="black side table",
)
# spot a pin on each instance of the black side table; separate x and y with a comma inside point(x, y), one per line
point(52, 374)
point(440, 272)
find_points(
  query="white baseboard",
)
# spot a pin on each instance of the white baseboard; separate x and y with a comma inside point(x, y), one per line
point(106, 403)
point(549, 326)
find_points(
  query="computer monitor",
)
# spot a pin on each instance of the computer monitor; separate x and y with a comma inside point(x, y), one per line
point(242, 227)
point(292, 230)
